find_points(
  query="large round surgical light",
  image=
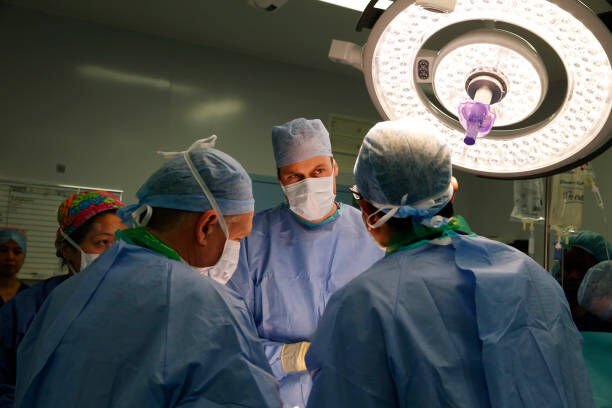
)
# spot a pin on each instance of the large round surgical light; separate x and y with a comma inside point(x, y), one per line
point(503, 71)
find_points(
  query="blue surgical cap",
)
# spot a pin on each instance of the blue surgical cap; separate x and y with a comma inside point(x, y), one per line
point(14, 234)
point(593, 243)
point(299, 140)
point(174, 186)
point(595, 292)
point(401, 163)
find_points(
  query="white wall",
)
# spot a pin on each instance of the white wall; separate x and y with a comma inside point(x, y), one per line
point(102, 101)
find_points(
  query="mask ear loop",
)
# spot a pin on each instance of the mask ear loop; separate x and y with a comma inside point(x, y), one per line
point(70, 241)
point(207, 193)
point(383, 219)
point(137, 217)
point(392, 211)
point(75, 246)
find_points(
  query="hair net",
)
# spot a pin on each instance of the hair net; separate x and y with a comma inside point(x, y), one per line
point(299, 140)
point(14, 234)
point(79, 208)
point(401, 166)
point(595, 292)
point(174, 186)
point(593, 243)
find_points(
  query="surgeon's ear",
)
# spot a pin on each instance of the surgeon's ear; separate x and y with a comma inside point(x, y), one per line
point(206, 223)
point(366, 210)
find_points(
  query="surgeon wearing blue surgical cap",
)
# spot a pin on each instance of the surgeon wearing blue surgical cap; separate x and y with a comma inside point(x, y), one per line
point(149, 323)
point(447, 318)
point(595, 292)
point(300, 253)
point(582, 251)
point(13, 248)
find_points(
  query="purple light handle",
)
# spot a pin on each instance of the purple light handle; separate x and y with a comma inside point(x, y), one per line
point(477, 119)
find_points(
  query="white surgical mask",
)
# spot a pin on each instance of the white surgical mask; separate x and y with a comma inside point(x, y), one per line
point(311, 198)
point(225, 267)
point(86, 259)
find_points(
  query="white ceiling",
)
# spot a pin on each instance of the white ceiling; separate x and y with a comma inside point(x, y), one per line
point(300, 32)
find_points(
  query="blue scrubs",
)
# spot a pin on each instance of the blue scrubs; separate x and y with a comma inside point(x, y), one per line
point(22, 287)
point(458, 322)
point(287, 272)
point(136, 329)
point(15, 319)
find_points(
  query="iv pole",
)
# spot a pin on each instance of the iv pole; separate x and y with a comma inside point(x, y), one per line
point(548, 198)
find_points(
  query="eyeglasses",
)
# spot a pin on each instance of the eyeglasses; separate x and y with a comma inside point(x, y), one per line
point(355, 193)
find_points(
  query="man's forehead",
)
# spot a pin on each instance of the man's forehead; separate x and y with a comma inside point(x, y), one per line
point(306, 165)
point(10, 244)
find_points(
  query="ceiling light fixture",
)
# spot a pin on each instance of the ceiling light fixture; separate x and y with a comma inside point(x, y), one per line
point(475, 70)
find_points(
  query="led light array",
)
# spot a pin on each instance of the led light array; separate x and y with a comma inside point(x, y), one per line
point(578, 121)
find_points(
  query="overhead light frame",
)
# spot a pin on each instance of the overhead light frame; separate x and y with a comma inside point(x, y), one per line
point(581, 126)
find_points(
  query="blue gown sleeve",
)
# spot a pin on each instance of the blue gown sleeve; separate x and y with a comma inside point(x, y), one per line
point(348, 356)
point(273, 354)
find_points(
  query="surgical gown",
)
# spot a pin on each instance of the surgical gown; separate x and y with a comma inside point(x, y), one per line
point(15, 319)
point(136, 329)
point(288, 271)
point(468, 322)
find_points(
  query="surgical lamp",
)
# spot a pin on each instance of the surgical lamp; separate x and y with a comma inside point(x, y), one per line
point(515, 88)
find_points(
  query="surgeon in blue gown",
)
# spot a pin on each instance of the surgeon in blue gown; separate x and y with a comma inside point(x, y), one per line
point(300, 253)
point(146, 324)
point(447, 318)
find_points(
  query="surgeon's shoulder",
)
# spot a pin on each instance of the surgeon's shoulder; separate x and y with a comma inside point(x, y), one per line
point(265, 221)
point(352, 214)
point(374, 288)
point(490, 248)
point(476, 247)
point(264, 217)
point(351, 220)
point(188, 283)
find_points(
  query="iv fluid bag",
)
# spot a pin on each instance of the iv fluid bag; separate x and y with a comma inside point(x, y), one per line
point(528, 200)
point(567, 198)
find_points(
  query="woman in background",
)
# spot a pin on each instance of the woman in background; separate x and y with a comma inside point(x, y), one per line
point(13, 247)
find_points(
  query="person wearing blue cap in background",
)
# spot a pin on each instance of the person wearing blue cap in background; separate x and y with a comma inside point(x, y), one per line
point(595, 296)
point(146, 324)
point(595, 292)
point(581, 251)
point(13, 248)
point(300, 253)
point(447, 318)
